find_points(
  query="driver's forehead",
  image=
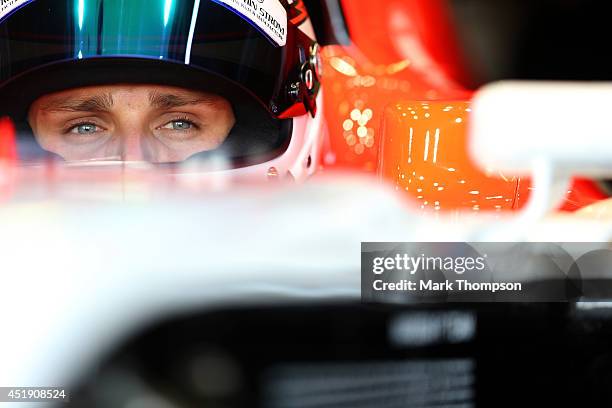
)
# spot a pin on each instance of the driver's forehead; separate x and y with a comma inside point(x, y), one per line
point(111, 97)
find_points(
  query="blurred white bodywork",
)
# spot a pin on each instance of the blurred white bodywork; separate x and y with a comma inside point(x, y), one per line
point(78, 277)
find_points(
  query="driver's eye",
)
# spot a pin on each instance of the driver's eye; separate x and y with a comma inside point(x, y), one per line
point(178, 125)
point(85, 129)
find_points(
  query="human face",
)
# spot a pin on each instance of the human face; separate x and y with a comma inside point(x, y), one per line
point(153, 123)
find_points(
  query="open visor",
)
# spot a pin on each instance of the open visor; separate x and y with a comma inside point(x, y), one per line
point(243, 50)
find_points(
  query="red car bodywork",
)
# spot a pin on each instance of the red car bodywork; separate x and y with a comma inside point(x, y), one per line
point(404, 69)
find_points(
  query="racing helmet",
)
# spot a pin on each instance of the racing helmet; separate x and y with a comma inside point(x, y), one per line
point(255, 53)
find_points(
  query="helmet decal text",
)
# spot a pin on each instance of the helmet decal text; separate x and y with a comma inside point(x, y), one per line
point(268, 16)
point(8, 6)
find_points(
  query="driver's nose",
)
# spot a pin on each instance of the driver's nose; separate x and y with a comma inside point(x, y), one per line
point(134, 147)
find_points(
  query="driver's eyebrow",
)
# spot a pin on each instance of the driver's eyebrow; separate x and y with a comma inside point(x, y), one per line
point(170, 100)
point(96, 103)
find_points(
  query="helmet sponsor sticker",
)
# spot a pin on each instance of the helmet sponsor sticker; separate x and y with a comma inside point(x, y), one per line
point(8, 6)
point(269, 16)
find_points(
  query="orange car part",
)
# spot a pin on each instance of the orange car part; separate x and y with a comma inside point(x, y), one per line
point(424, 153)
point(403, 58)
point(8, 150)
